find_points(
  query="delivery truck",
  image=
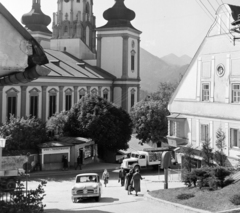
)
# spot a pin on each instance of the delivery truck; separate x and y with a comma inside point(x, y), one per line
point(146, 158)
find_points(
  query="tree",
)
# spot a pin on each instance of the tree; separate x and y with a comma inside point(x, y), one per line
point(150, 121)
point(207, 153)
point(164, 92)
point(188, 158)
point(57, 122)
point(23, 133)
point(96, 118)
point(219, 155)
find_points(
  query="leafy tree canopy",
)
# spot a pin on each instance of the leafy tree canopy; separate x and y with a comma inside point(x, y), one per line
point(96, 118)
point(23, 133)
point(164, 92)
point(149, 119)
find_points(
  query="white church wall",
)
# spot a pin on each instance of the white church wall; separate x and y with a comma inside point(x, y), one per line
point(73, 46)
point(111, 57)
point(13, 49)
point(117, 96)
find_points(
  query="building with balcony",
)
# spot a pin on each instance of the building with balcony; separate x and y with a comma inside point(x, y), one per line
point(208, 97)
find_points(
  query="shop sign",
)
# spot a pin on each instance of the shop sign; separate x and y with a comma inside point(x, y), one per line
point(172, 142)
point(55, 149)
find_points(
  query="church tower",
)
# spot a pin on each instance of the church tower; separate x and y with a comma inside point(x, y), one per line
point(118, 51)
point(74, 28)
point(36, 23)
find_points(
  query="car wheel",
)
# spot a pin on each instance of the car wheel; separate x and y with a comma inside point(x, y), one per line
point(97, 198)
point(10, 185)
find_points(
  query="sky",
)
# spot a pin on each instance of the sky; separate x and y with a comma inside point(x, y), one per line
point(168, 26)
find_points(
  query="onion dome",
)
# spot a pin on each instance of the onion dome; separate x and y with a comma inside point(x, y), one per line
point(119, 15)
point(36, 20)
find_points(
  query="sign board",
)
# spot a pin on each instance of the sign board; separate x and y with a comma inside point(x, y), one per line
point(55, 150)
point(172, 142)
point(13, 162)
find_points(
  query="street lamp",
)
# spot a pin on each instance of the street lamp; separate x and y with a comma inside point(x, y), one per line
point(2, 142)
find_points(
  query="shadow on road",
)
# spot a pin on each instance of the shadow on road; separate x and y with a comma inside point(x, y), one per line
point(76, 210)
point(102, 200)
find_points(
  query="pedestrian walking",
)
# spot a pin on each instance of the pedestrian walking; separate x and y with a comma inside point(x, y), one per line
point(79, 162)
point(105, 177)
point(65, 163)
point(128, 185)
point(121, 176)
point(136, 181)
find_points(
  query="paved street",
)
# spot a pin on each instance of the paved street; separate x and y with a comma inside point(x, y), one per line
point(114, 197)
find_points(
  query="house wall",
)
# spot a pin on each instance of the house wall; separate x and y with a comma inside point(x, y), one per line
point(13, 49)
point(220, 110)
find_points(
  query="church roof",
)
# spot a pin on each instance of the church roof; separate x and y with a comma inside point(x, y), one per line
point(66, 65)
point(118, 16)
point(35, 59)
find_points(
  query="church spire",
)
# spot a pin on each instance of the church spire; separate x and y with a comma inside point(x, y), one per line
point(36, 20)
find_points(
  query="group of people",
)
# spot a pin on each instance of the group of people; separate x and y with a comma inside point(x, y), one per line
point(131, 180)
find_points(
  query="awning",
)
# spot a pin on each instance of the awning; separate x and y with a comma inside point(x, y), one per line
point(176, 116)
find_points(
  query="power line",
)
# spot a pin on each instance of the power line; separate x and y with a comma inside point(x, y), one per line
point(220, 17)
point(215, 19)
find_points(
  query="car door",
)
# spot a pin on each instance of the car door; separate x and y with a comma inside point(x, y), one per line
point(142, 160)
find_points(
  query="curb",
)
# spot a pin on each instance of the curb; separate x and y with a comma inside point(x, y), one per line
point(63, 173)
point(175, 207)
point(230, 211)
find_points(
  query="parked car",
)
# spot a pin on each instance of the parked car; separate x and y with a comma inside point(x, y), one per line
point(87, 185)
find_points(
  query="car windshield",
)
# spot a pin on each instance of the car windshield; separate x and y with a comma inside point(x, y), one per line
point(87, 178)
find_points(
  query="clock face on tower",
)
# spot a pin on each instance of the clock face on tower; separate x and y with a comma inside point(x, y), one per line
point(66, 1)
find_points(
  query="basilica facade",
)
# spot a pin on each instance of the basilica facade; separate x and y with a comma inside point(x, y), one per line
point(82, 59)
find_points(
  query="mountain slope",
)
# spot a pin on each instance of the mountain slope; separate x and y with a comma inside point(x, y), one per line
point(175, 60)
point(155, 70)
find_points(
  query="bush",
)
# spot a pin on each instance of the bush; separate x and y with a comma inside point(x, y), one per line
point(185, 196)
point(235, 199)
point(190, 178)
point(20, 203)
point(221, 173)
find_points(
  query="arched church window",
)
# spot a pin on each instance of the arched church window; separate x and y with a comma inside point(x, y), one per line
point(82, 93)
point(68, 99)
point(105, 93)
point(34, 102)
point(52, 102)
point(132, 97)
point(133, 53)
point(65, 29)
point(94, 91)
point(12, 95)
point(87, 12)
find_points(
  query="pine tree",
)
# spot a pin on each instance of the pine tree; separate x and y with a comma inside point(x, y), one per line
point(219, 155)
